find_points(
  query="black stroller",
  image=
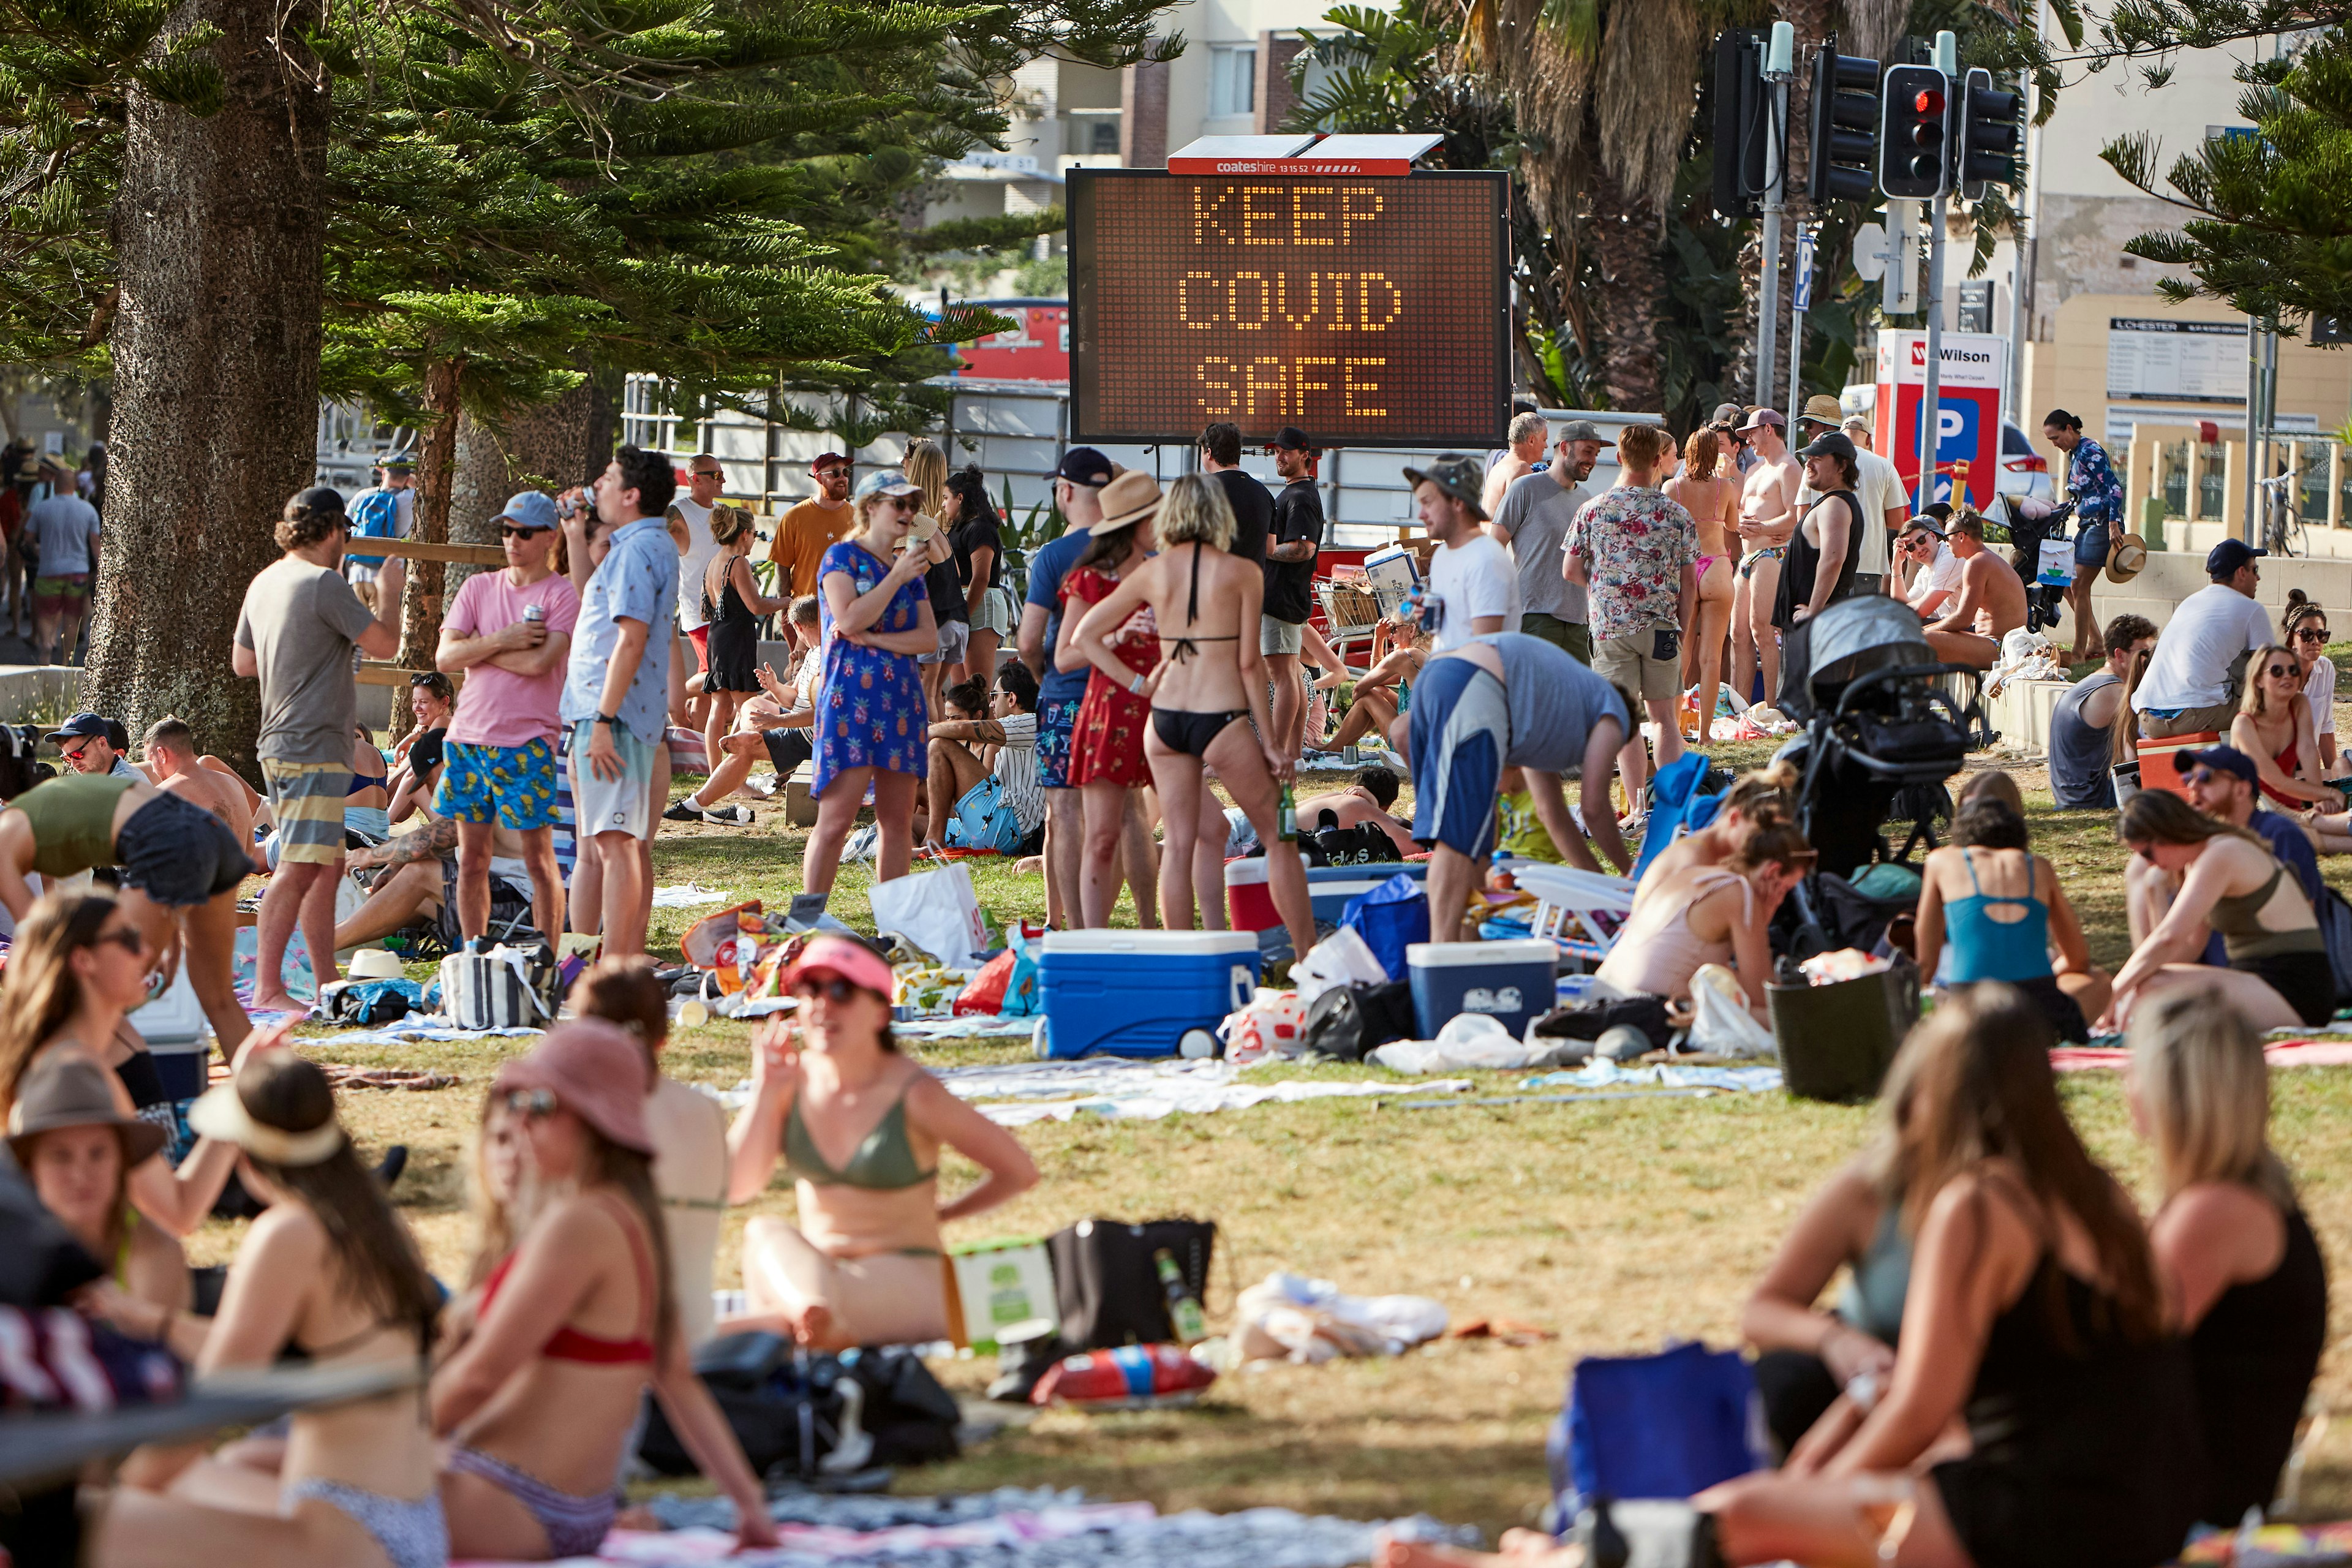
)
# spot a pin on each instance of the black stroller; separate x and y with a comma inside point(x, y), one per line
point(1884, 730)
point(2044, 602)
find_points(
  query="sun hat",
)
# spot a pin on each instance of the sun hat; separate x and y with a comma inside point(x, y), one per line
point(1821, 408)
point(1457, 477)
point(2126, 556)
point(65, 1088)
point(852, 960)
point(373, 964)
point(219, 1112)
point(529, 509)
point(883, 483)
point(597, 1070)
point(1126, 501)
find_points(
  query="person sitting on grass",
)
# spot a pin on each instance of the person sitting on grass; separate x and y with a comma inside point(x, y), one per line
point(773, 725)
point(421, 886)
point(2033, 1317)
point(1711, 914)
point(2231, 1241)
point(555, 1348)
point(1991, 909)
point(861, 1129)
point(2278, 975)
point(968, 745)
point(419, 756)
point(173, 767)
point(1367, 800)
point(1385, 690)
point(1758, 795)
point(2220, 782)
point(2273, 726)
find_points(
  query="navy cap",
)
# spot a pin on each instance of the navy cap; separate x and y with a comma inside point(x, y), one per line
point(2225, 759)
point(2224, 559)
point(321, 497)
point(1085, 465)
point(81, 727)
point(1291, 438)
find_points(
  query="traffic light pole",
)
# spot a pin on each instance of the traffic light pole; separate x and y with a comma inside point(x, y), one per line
point(1779, 56)
point(1931, 408)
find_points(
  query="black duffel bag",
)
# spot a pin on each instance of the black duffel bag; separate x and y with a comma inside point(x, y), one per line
point(1346, 1021)
point(1106, 1279)
point(786, 1406)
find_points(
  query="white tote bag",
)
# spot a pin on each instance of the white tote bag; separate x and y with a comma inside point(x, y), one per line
point(2056, 565)
point(935, 911)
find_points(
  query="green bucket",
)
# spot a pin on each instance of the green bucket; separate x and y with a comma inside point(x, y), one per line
point(1837, 1041)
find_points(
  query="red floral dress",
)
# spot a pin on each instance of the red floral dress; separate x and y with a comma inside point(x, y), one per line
point(1106, 741)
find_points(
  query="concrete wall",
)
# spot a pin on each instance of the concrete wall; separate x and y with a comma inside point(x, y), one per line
point(2173, 575)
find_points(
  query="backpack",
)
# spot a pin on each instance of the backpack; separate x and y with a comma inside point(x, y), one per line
point(1346, 1021)
point(375, 514)
point(789, 1408)
point(984, 819)
point(1365, 843)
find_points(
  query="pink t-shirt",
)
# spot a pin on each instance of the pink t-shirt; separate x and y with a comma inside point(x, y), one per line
point(496, 706)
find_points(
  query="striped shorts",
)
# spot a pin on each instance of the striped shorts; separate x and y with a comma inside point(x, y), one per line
point(307, 798)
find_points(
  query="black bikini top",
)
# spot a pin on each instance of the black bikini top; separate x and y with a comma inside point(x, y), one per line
point(1184, 647)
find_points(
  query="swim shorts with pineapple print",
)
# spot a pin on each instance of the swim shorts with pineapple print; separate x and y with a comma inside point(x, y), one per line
point(516, 783)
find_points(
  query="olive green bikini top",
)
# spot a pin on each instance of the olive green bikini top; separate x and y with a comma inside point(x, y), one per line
point(884, 1163)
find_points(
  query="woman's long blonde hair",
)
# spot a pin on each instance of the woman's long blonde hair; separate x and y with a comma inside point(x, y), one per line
point(2255, 701)
point(2198, 1073)
point(1196, 507)
point(39, 990)
point(926, 468)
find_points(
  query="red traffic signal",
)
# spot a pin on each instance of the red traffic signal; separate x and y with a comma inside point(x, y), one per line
point(1927, 102)
point(1915, 133)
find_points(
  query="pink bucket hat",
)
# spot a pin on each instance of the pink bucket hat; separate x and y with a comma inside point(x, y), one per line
point(852, 960)
point(597, 1070)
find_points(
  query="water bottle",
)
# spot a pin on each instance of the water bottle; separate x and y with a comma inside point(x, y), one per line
point(1289, 823)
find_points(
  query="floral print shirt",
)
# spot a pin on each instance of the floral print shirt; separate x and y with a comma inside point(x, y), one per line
point(1634, 545)
point(2090, 480)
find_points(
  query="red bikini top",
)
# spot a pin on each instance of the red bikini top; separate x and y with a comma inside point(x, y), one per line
point(568, 1343)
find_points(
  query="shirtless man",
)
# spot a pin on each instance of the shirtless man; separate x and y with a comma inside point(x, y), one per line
point(171, 764)
point(1366, 800)
point(1991, 601)
point(1768, 516)
point(1528, 434)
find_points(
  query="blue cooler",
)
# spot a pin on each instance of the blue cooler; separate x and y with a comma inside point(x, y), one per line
point(1332, 887)
point(1511, 981)
point(1138, 992)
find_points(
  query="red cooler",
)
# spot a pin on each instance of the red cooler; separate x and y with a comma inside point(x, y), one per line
point(1249, 902)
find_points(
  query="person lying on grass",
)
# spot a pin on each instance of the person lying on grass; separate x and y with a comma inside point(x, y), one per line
point(1712, 914)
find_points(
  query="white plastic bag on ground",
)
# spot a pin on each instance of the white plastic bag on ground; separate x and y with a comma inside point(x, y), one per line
point(1271, 1025)
point(935, 911)
point(1723, 1025)
point(1290, 1317)
point(1343, 957)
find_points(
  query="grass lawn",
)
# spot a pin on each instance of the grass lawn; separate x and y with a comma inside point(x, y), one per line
point(1617, 1224)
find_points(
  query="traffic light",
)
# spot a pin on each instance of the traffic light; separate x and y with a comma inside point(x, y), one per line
point(1742, 124)
point(1991, 134)
point(1845, 138)
point(1913, 128)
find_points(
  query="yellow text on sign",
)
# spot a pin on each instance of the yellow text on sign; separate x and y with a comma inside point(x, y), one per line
point(1251, 302)
point(1275, 386)
point(1282, 215)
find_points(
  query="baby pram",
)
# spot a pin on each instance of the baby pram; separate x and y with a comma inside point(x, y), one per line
point(1884, 730)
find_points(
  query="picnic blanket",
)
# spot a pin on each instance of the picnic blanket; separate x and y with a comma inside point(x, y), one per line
point(1145, 1091)
point(1006, 1529)
point(2278, 1053)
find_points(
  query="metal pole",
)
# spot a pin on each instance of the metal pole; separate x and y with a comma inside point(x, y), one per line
point(1931, 408)
point(2247, 527)
point(2020, 281)
point(1776, 184)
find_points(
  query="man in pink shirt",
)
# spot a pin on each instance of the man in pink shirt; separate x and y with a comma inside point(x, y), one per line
point(510, 632)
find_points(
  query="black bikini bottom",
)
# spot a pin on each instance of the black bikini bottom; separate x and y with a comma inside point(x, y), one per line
point(1181, 730)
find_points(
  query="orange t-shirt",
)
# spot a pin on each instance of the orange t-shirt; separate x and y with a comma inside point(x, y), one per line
point(806, 532)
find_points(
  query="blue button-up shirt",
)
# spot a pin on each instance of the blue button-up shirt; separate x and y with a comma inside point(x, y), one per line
point(637, 582)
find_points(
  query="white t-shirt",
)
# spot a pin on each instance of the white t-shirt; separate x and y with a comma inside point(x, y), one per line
point(701, 550)
point(2320, 689)
point(1473, 580)
point(2190, 667)
point(1943, 574)
point(1877, 488)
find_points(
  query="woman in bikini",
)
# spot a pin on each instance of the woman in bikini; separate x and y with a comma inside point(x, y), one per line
point(328, 1270)
point(860, 1128)
point(2275, 727)
point(1708, 490)
point(1210, 678)
point(566, 1331)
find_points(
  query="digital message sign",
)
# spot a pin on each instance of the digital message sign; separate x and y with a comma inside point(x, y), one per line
point(1368, 311)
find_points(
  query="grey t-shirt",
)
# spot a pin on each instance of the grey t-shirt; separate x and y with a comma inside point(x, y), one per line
point(1555, 700)
point(300, 622)
point(63, 528)
point(1536, 513)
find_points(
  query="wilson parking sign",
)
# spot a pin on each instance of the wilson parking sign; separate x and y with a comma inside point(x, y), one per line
point(1972, 373)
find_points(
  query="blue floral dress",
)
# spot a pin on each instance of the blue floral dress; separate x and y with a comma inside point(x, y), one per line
point(869, 702)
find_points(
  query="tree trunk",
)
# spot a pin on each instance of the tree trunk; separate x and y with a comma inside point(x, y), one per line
point(566, 442)
point(1625, 239)
point(420, 624)
point(219, 232)
point(479, 487)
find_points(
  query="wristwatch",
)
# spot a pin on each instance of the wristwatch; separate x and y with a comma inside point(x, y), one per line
point(608, 718)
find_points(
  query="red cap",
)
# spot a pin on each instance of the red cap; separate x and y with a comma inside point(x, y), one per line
point(822, 458)
point(852, 960)
point(598, 1070)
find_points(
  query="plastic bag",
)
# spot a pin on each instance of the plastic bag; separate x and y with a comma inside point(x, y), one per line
point(1474, 1041)
point(1339, 958)
point(936, 912)
point(1006, 986)
point(1723, 1025)
point(1289, 1316)
point(1274, 1025)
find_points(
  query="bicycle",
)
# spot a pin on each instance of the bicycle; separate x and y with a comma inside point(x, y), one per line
point(2284, 532)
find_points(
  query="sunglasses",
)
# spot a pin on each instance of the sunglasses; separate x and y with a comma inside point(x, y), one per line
point(836, 990)
point(2287, 670)
point(2312, 634)
point(904, 503)
point(73, 754)
point(709, 474)
point(129, 939)
point(516, 530)
point(530, 1104)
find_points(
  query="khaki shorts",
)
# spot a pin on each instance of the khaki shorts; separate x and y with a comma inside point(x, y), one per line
point(1280, 636)
point(2189, 721)
point(1626, 662)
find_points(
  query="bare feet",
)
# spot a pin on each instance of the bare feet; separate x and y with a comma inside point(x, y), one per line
point(280, 1002)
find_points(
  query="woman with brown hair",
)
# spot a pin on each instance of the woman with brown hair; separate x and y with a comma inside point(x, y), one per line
point(328, 1270)
point(571, 1327)
point(1998, 909)
point(2273, 726)
point(1708, 488)
point(1699, 915)
point(2279, 976)
point(1758, 795)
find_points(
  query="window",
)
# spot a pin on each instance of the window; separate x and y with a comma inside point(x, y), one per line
point(2212, 481)
point(1105, 134)
point(2013, 443)
point(2173, 473)
point(2311, 465)
point(1232, 79)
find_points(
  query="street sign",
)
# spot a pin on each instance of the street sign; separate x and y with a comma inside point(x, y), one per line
point(1368, 311)
point(1899, 293)
point(1870, 252)
point(1972, 372)
point(1802, 299)
point(1976, 305)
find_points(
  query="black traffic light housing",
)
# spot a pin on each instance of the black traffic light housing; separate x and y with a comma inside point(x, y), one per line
point(1914, 132)
point(1844, 126)
point(1991, 134)
point(1742, 123)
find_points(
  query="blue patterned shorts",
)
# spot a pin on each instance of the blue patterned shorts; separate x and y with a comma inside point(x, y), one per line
point(515, 783)
point(1055, 722)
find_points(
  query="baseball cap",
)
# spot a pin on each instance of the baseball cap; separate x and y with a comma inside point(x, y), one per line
point(1821, 408)
point(1725, 414)
point(529, 509)
point(321, 497)
point(1763, 416)
point(597, 1070)
point(81, 727)
point(1583, 430)
point(1455, 475)
point(1291, 438)
point(822, 458)
point(2225, 759)
point(2224, 559)
point(1085, 465)
point(883, 481)
point(1828, 444)
point(852, 960)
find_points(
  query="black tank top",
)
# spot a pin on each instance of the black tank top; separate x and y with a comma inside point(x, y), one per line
point(2254, 1355)
point(141, 1080)
point(1803, 564)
